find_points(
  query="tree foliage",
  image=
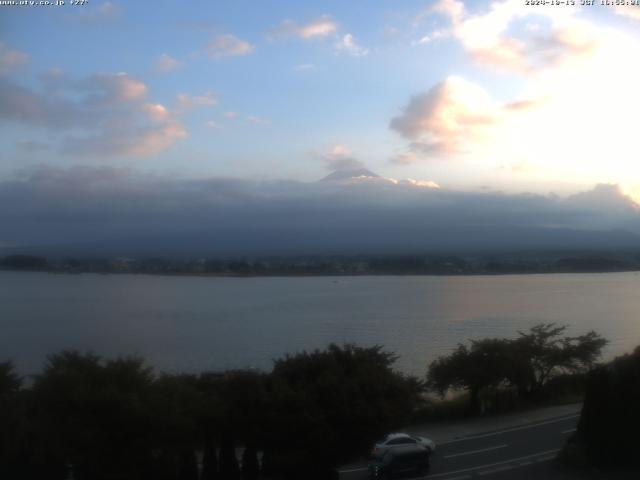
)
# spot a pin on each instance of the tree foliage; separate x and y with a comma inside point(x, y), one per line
point(527, 362)
point(610, 419)
point(333, 404)
point(116, 419)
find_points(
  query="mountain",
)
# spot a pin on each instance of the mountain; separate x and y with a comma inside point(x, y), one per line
point(341, 175)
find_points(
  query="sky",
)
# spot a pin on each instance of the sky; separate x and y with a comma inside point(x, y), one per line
point(481, 101)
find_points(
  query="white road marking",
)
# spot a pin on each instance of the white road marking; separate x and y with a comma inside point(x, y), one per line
point(497, 469)
point(507, 430)
point(351, 470)
point(545, 459)
point(489, 465)
point(571, 430)
point(476, 451)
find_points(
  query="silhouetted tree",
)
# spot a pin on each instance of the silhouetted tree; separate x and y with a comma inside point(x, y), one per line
point(542, 352)
point(10, 381)
point(210, 458)
point(250, 465)
point(527, 362)
point(484, 364)
point(331, 405)
point(92, 415)
point(175, 404)
point(24, 262)
point(229, 468)
point(12, 422)
point(610, 420)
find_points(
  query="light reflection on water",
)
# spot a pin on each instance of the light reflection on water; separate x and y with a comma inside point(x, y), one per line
point(198, 323)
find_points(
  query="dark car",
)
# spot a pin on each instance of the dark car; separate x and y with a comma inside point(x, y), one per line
point(399, 461)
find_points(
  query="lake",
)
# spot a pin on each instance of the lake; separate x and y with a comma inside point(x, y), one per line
point(181, 323)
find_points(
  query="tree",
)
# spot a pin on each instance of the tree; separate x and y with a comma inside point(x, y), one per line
point(607, 432)
point(12, 421)
point(527, 362)
point(94, 415)
point(484, 364)
point(250, 466)
point(542, 353)
point(330, 405)
point(24, 262)
point(174, 405)
point(10, 381)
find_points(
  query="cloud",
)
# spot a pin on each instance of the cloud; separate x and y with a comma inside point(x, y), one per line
point(109, 88)
point(304, 67)
point(257, 120)
point(11, 60)
point(19, 104)
point(211, 124)
point(156, 112)
point(406, 158)
point(119, 211)
point(227, 45)
point(433, 36)
point(490, 39)
point(320, 28)
point(230, 114)
point(186, 102)
point(31, 145)
point(341, 158)
point(103, 13)
point(448, 119)
point(98, 116)
point(631, 11)
point(127, 140)
point(348, 45)
point(165, 63)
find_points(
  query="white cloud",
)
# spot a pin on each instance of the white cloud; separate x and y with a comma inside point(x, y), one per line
point(631, 11)
point(186, 101)
point(490, 40)
point(11, 60)
point(448, 119)
point(156, 112)
point(304, 67)
point(348, 45)
point(227, 45)
point(110, 88)
point(419, 183)
point(433, 36)
point(211, 124)
point(122, 139)
point(319, 28)
point(406, 158)
point(230, 114)
point(165, 63)
point(257, 120)
point(340, 158)
point(105, 12)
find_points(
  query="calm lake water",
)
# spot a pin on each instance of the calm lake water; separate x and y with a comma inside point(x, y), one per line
point(198, 323)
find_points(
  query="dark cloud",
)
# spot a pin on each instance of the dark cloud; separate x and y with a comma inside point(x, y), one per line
point(120, 211)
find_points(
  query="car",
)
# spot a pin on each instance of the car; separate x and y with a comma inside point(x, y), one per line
point(393, 440)
point(399, 461)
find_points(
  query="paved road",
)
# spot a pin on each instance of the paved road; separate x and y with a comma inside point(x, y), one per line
point(488, 455)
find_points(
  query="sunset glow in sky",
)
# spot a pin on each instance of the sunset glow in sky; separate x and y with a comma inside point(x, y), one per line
point(469, 95)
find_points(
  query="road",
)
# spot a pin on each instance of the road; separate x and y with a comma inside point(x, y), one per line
point(488, 455)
